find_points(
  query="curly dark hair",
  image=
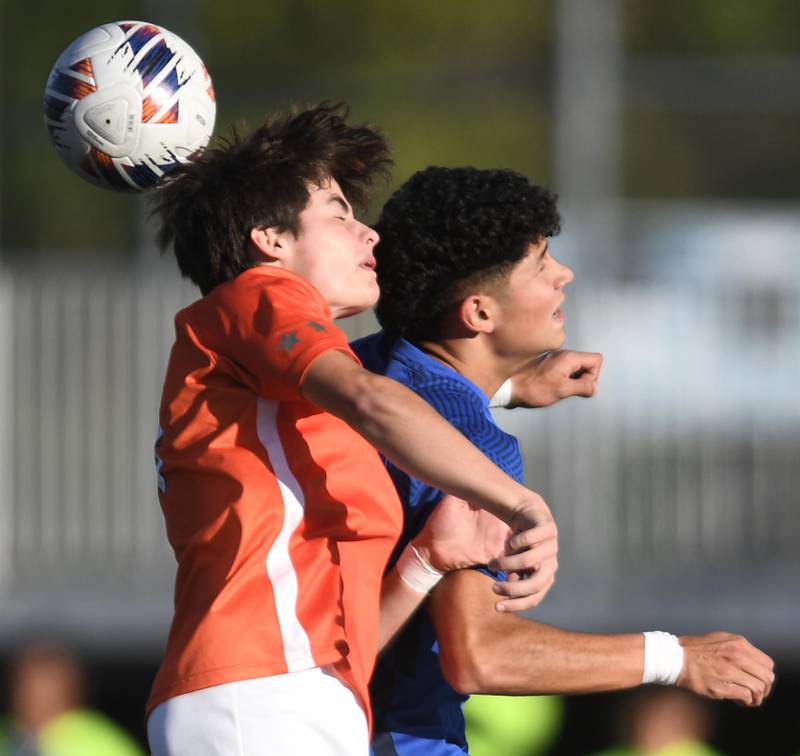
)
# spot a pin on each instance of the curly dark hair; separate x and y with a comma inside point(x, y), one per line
point(208, 206)
point(449, 229)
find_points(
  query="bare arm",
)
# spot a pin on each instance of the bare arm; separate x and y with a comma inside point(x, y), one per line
point(555, 376)
point(413, 435)
point(482, 651)
point(398, 604)
point(455, 536)
point(417, 439)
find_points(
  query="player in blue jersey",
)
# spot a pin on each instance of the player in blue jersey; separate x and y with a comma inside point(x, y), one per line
point(470, 296)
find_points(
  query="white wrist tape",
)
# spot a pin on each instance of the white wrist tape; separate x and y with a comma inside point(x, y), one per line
point(503, 396)
point(663, 658)
point(415, 571)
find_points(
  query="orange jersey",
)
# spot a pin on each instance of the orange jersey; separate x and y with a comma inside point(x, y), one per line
point(281, 516)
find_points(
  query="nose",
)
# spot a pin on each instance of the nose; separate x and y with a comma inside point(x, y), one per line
point(370, 235)
point(563, 276)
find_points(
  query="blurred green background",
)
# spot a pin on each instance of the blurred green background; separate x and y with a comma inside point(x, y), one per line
point(450, 82)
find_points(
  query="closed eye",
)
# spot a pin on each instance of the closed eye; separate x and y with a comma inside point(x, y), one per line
point(340, 205)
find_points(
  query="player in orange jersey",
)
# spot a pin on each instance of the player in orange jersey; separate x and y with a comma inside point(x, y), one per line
point(280, 512)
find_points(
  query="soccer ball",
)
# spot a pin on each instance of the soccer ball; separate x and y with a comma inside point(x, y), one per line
point(126, 103)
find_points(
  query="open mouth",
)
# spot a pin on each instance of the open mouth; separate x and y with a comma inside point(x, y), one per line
point(369, 264)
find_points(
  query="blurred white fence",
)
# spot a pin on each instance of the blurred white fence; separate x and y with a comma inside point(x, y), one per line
point(686, 464)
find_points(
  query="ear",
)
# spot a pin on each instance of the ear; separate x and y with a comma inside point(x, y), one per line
point(477, 313)
point(268, 243)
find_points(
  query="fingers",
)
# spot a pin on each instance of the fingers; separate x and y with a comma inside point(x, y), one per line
point(519, 586)
point(752, 655)
point(525, 602)
point(585, 362)
point(746, 688)
point(578, 362)
point(531, 554)
point(756, 666)
point(593, 362)
point(528, 589)
point(585, 386)
point(725, 690)
point(530, 537)
point(742, 688)
point(529, 559)
point(726, 666)
point(584, 373)
point(753, 667)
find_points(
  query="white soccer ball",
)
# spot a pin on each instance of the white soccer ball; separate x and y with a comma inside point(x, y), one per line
point(127, 102)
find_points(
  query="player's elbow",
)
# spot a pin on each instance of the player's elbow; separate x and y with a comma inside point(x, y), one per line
point(465, 670)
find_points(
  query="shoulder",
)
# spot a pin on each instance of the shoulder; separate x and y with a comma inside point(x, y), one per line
point(253, 300)
point(456, 399)
point(265, 285)
point(451, 397)
point(440, 386)
point(389, 355)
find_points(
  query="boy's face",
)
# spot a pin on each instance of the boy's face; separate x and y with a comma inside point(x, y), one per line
point(334, 251)
point(530, 318)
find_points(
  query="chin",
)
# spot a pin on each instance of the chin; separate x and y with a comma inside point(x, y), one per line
point(554, 344)
point(349, 312)
point(359, 302)
point(346, 311)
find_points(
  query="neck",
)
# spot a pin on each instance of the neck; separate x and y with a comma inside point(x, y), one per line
point(471, 358)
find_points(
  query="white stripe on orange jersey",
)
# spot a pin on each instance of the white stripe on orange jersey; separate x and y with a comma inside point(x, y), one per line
point(282, 576)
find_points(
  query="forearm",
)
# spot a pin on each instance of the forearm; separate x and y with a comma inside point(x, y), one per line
point(536, 659)
point(413, 576)
point(419, 441)
point(398, 603)
point(414, 436)
point(482, 651)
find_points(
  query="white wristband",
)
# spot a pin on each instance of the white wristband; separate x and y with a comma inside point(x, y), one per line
point(415, 571)
point(663, 658)
point(503, 396)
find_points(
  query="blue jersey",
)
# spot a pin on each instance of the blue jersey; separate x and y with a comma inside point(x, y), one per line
point(416, 712)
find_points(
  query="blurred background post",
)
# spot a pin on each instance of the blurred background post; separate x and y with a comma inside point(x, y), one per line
point(670, 130)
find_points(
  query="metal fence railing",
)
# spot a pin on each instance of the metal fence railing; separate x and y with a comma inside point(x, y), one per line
point(687, 457)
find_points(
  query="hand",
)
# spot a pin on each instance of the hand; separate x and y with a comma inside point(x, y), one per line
point(726, 666)
point(458, 535)
point(555, 376)
point(531, 558)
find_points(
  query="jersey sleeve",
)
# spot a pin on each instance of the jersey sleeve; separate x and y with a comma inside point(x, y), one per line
point(273, 330)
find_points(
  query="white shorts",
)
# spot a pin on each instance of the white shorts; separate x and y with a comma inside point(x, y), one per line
point(308, 712)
